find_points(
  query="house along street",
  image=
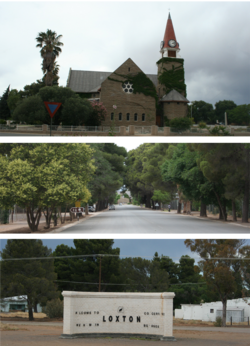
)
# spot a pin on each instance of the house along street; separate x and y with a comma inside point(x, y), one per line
point(133, 219)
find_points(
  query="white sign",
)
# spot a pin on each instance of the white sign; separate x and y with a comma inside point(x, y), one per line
point(133, 314)
point(76, 210)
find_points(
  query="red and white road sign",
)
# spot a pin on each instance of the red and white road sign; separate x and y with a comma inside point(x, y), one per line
point(77, 210)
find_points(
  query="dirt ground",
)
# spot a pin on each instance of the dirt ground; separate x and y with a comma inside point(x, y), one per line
point(29, 335)
point(18, 228)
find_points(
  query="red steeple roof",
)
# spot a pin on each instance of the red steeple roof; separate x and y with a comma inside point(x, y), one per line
point(169, 33)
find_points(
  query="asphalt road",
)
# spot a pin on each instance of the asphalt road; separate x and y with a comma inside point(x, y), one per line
point(132, 219)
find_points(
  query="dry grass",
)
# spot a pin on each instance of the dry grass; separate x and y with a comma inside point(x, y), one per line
point(181, 322)
point(22, 314)
point(4, 327)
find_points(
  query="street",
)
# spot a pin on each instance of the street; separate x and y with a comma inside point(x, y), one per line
point(133, 219)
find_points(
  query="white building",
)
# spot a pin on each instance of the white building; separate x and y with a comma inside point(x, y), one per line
point(238, 309)
point(18, 303)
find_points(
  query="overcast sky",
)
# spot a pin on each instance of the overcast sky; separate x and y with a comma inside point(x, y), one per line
point(214, 38)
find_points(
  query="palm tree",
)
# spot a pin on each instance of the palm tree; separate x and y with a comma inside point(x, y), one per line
point(55, 73)
point(50, 45)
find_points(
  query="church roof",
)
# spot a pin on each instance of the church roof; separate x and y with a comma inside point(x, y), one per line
point(169, 33)
point(174, 95)
point(90, 81)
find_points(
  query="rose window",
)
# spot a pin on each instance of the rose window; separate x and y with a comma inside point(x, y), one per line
point(128, 87)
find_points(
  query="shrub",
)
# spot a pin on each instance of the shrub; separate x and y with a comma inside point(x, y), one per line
point(3, 122)
point(54, 308)
point(202, 125)
point(219, 131)
point(181, 124)
point(218, 322)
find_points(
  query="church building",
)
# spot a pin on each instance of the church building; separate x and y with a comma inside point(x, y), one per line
point(132, 97)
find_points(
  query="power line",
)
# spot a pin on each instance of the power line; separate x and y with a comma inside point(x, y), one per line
point(148, 284)
point(109, 255)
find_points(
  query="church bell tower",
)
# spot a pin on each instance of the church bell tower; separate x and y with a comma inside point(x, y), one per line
point(171, 86)
point(169, 45)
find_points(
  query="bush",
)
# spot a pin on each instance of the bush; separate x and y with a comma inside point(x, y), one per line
point(218, 322)
point(181, 124)
point(219, 131)
point(202, 125)
point(54, 308)
point(3, 122)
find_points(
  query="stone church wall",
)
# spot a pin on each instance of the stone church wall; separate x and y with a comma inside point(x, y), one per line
point(112, 94)
point(173, 110)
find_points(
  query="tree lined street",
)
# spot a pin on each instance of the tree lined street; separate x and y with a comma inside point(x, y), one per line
point(133, 219)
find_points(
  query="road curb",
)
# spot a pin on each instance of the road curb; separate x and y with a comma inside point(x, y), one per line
point(58, 230)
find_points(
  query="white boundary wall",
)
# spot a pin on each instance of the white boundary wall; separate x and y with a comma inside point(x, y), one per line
point(97, 314)
point(207, 311)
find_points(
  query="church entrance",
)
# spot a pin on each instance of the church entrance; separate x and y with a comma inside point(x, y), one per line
point(158, 120)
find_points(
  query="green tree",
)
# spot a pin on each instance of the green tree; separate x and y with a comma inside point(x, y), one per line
point(87, 269)
point(221, 107)
point(142, 275)
point(143, 172)
point(50, 45)
point(108, 177)
point(202, 112)
point(239, 115)
point(13, 99)
point(76, 111)
point(4, 109)
point(31, 111)
point(181, 168)
point(161, 197)
point(58, 94)
point(64, 268)
point(34, 278)
point(39, 177)
point(227, 166)
point(218, 273)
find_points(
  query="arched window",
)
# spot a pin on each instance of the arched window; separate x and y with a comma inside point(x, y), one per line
point(135, 117)
point(128, 116)
point(120, 116)
point(143, 117)
point(112, 116)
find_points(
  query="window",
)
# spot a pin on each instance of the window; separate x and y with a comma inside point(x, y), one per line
point(127, 87)
point(143, 117)
point(112, 116)
point(178, 103)
point(172, 53)
point(135, 117)
point(120, 116)
point(211, 311)
point(128, 116)
point(129, 69)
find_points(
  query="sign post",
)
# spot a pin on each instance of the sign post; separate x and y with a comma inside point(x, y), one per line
point(52, 108)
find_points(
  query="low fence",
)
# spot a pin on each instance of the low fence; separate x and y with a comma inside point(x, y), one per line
point(131, 130)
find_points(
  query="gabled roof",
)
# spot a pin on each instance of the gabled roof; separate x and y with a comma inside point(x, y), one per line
point(169, 34)
point(174, 95)
point(86, 81)
point(90, 81)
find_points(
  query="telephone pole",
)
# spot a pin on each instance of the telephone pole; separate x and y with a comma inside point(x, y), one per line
point(100, 273)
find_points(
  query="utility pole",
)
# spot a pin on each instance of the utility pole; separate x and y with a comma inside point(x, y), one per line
point(100, 273)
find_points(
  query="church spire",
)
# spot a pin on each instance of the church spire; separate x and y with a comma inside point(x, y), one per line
point(169, 45)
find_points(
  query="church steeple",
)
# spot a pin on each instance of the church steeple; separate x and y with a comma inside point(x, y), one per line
point(169, 45)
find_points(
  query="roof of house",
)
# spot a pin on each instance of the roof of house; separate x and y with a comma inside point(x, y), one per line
point(90, 81)
point(174, 95)
point(15, 298)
